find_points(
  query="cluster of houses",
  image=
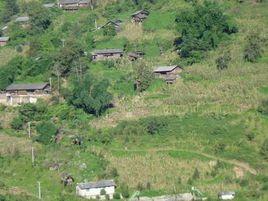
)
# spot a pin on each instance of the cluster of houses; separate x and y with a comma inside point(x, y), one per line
point(105, 189)
point(168, 73)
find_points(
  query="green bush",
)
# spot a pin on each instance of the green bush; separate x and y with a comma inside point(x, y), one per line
point(263, 108)
point(116, 196)
point(17, 123)
point(223, 61)
point(125, 191)
point(253, 49)
point(46, 132)
point(264, 149)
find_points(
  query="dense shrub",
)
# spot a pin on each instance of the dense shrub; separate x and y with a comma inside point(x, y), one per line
point(17, 123)
point(125, 191)
point(263, 108)
point(202, 28)
point(116, 196)
point(253, 49)
point(223, 61)
point(143, 76)
point(46, 132)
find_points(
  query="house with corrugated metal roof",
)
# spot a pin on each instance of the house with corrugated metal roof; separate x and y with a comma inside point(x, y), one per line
point(96, 190)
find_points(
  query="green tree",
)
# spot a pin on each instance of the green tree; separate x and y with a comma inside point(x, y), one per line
point(201, 28)
point(46, 132)
point(109, 30)
point(40, 18)
point(90, 94)
point(143, 76)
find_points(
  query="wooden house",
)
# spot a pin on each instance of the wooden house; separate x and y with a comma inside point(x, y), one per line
point(168, 73)
point(26, 93)
point(69, 4)
point(107, 54)
point(73, 4)
point(116, 23)
point(96, 190)
point(140, 16)
point(3, 41)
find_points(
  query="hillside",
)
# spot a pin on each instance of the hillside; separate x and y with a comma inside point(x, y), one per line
point(209, 129)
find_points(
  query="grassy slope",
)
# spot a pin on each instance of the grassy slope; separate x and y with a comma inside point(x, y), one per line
point(163, 159)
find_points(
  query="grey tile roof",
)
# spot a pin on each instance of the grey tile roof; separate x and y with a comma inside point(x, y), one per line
point(49, 5)
point(98, 184)
point(22, 19)
point(107, 51)
point(4, 39)
point(165, 68)
point(20, 87)
point(140, 12)
point(69, 1)
point(84, 1)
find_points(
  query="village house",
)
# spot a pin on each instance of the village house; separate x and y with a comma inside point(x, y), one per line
point(140, 16)
point(168, 73)
point(95, 190)
point(226, 195)
point(116, 23)
point(73, 4)
point(3, 41)
point(135, 55)
point(107, 54)
point(16, 94)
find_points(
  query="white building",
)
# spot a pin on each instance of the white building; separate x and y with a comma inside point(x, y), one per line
point(94, 190)
point(226, 195)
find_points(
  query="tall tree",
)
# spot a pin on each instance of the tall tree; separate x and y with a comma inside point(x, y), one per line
point(11, 8)
point(90, 94)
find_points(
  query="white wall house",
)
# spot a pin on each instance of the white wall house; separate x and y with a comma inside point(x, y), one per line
point(93, 190)
point(226, 195)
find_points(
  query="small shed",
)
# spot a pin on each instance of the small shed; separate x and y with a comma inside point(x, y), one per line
point(135, 55)
point(107, 54)
point(140, 16)
point(95, 190)
point(169, 73)
point(229, 195)
point(23, 19)
point(3, 41)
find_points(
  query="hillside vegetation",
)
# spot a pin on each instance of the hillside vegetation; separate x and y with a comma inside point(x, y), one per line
point(209, 129)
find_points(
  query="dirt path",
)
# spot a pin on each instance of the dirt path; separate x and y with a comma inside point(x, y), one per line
point(243, 165)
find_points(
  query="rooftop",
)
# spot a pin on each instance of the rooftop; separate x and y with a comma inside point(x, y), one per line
point(141, 11)
point(227, 193)
point(165, 68)
point(21, 87)
point(107, 51)
point(98, 184)
point(22, 19)
point(69, 1)
point(49, 5)
point(4, 39)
